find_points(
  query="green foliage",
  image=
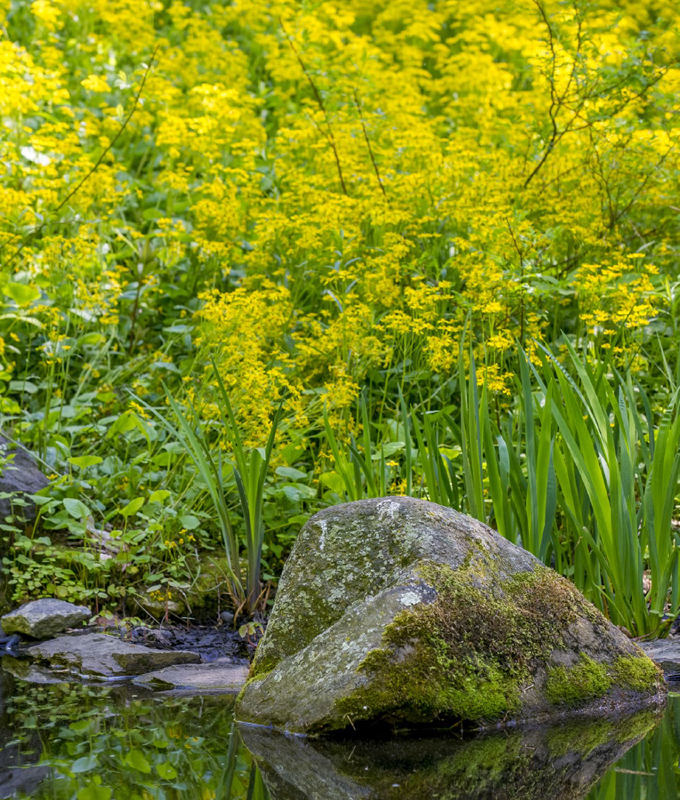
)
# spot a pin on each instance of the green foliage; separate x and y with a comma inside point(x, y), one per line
point(207, 208)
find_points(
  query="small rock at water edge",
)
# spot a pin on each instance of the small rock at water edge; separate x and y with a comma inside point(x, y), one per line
point(106, 656)
point(44, 618)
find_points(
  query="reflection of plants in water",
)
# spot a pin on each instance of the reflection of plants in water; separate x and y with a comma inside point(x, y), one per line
point(648, 771)
point(103, 747)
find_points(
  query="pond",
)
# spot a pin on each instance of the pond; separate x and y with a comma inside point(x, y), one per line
point(116, 742)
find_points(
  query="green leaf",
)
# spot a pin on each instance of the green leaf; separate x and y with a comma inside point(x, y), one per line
point(22, 294)
point(85, 461)
point(94, 792)
point(296, 492)
point(132, 507)
point(291, 473)
point(159, 496)
point(84, 764)
point(166, 771)
point(23, 386)
point(334, 481)
point(90, 339)
point(76, 508)
point(189, 521)
point(136, 759)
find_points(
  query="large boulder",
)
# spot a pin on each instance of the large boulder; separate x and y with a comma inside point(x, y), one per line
point(399, 611)
point(19, 478)
point(42, 619)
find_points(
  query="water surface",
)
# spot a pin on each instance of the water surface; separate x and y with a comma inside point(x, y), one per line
point(117, 742)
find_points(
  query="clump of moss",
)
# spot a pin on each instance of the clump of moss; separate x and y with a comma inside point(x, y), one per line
point(590, 679)
point(573, 685)
point(473, 652)
point(636, 672)
point(469, 654)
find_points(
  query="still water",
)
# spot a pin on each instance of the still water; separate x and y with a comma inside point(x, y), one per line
point(76, 742)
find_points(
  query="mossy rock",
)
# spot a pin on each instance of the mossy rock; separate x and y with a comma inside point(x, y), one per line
point(397, 611)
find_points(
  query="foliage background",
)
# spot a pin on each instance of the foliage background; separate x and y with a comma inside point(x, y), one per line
point(323, 197)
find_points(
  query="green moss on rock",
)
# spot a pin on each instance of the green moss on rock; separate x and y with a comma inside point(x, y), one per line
point(469, 655)
point(637, 673)
point(584, 681)
point(590, 679)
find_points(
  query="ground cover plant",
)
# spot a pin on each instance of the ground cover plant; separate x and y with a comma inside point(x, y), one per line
point(262, 257)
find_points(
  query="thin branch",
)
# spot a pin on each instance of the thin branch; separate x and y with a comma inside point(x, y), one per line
point(559, 102)
point(28, 239)
point(370, 149)
point(330, 138)
point(555, 102)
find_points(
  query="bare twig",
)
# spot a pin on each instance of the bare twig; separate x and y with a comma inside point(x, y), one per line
point(370, 149)
point(330, 138)
point(560, 102)
point(28, 239)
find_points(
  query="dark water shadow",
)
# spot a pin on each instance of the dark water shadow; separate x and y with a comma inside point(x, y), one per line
point(560, 762)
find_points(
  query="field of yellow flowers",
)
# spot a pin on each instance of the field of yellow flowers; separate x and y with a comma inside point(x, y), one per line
point(420, 247)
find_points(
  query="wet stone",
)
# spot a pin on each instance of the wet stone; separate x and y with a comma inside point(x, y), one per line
point(19, 478)
point(665, 653)
point(99, 655)
point(220, 676)
point(42, 619)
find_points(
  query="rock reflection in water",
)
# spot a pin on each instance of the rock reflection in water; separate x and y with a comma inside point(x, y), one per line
point(561, 762)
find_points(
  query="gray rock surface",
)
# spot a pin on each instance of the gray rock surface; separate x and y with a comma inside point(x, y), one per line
point(665, 653)
point(22, 781)
point(97, 654)
point(19, 478)
point(561, 762)
point(219, 676)
point(44, 618)
point(397, 610)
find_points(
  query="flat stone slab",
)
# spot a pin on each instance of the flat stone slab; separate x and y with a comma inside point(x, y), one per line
point(42, 619)
point(666, 654)
point(218, 676)
point(106, 656)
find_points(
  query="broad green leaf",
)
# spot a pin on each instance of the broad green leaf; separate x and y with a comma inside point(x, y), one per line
point(85, 461)
point(22, 294)
point(76, 508)
point(94, 792)
point(159, 496)
point(291, 473)
point(137, 760)
point(166, 771)
point(23, 386)
point(84, 764)
point(132, 507)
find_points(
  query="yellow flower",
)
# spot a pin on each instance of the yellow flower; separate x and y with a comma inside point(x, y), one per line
point(95, 83)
